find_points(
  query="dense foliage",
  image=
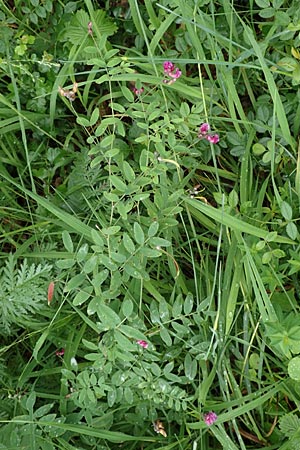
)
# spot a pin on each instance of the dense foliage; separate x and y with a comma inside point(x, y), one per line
point(149, 202)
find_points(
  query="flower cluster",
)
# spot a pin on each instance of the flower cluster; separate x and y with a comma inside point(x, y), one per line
point(137, 91)
point(143, 344)
point(203, 134)
point(171, 71)
point(210, 418)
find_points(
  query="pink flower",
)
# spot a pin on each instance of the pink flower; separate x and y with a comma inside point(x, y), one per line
point(213, 138)
point(171, 71)
point(142, 343)
point(204, 129)
point(90, 31)
point(168, 67)
point(137, 91)
point(210, 418)
point(203, 134)
point(60, 352)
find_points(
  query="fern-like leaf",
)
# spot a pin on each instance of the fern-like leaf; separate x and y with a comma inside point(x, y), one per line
point(22, 292)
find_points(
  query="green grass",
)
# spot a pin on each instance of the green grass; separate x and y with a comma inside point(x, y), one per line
point(149, 233)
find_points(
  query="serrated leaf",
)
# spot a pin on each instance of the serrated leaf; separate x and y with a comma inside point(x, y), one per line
point(77, 31)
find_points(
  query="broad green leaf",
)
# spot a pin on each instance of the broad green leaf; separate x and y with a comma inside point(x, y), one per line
point(188, 304)
point(124, 342)
point(128, 172)
point(292, 231)
point(90, 264)
point(190, 367)
point(75, 282)
point(286, 211)
point(30, 402)
point(65, 263)
point(128, 243)
point(177, 306)
point(132, 332)
point(97, 238)
point(138, 233)
point(118, 183)
point(83, 121)
point(82, 296)
point(164, 310)
point(159, 242)
point(82, 253)
point(128, 395)
point(67, 240)
point(165, 335)
point(110, 231)
point(294, 368)
point(127, 307)
point(127, 94)
point(153, 229)
point(107, 315)
point(94, 117)
point(133, 271)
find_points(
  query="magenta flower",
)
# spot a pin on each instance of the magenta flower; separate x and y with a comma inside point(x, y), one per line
point(60, 352)
point(213, 138)
point(142, 343)
point(137, 91)
point(210, 418)
point(171, 71)
point(168, 67)
point(203, 134)
point(203, 130)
